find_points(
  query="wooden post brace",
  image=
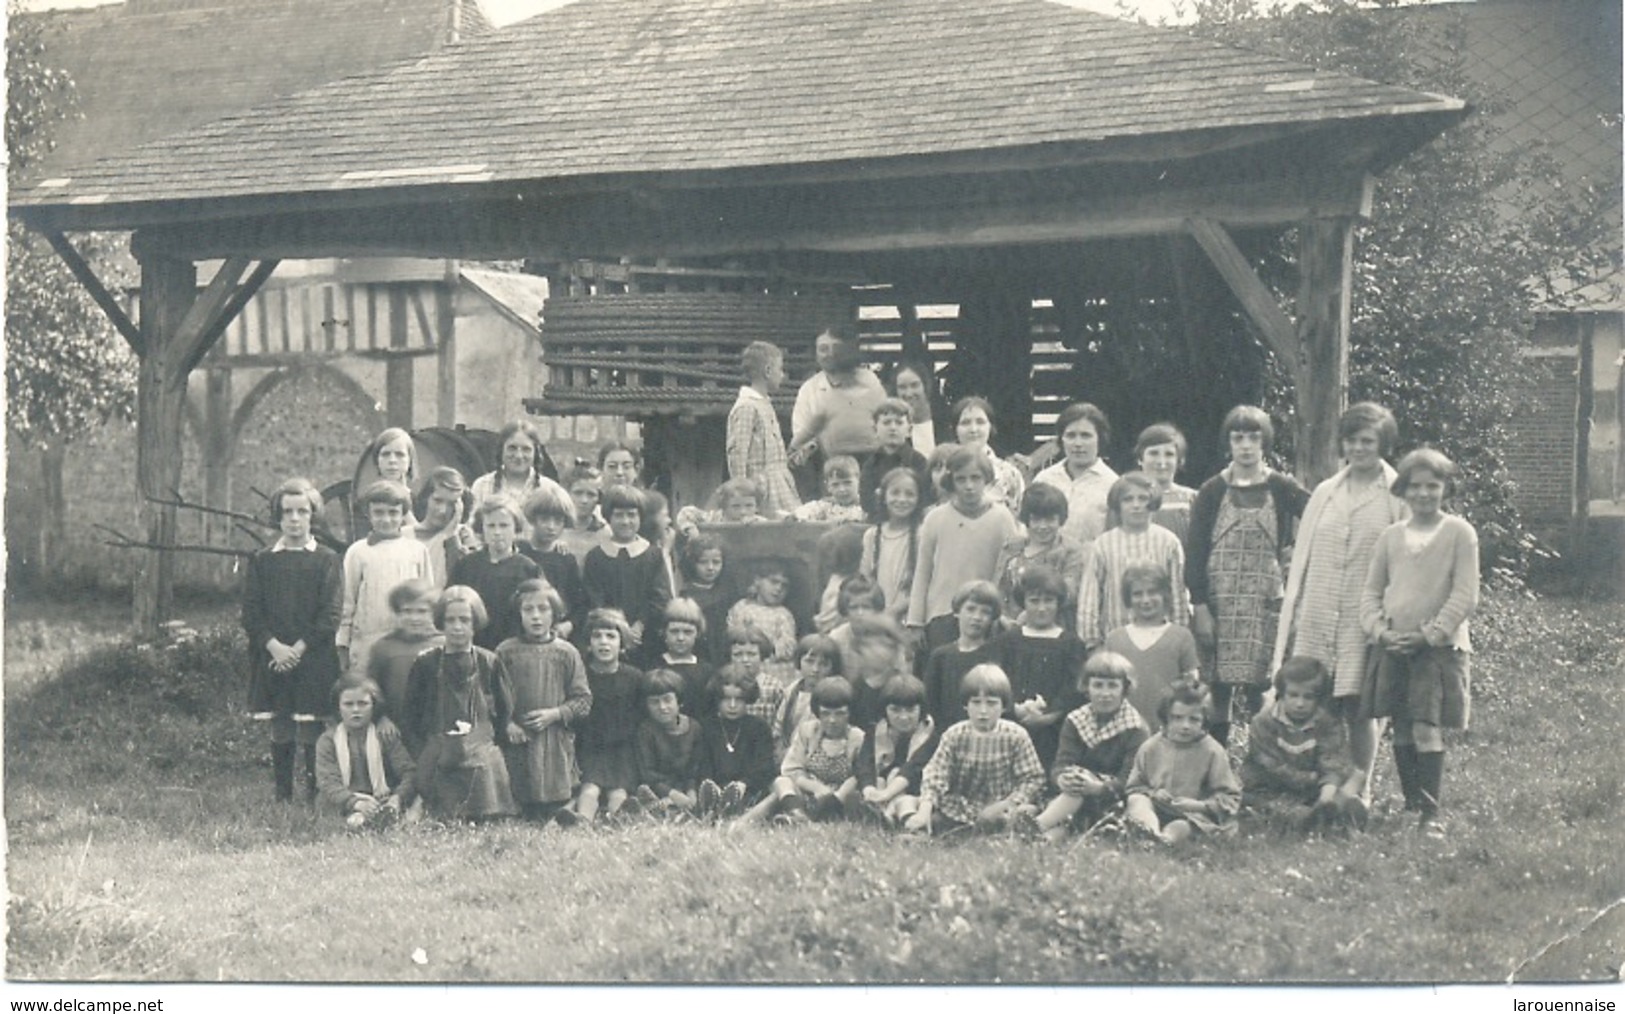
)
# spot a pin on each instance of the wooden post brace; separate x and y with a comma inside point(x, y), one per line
point(87, 277)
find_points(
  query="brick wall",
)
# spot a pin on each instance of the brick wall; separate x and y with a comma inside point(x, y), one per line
point(1541, 458)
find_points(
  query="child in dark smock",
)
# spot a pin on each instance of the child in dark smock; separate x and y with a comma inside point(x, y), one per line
point(457, 698)
point(627, 572)
point(735, 766)
point(498, 569)
point(390, 662)
point(551, 512)
point(550, 696)
point(668, 747)
point(292, 602)
point(607, 742)
point(1042, 659)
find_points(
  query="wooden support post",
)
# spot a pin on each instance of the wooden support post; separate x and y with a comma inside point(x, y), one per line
point(218, 439)
point(87, 277)
point(997, 335)
point(445, 341)
point(168, 292)
point(398, 391)
point(1325, 280)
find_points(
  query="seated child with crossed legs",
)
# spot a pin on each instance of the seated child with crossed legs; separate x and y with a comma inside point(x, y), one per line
point(892, 762)
point(818, 778)
point(1097, 748)
point(1298, 770)
point(1181, 783)
point(985, 767)
point(668, 748)
point(363, 769)
point(736, 766)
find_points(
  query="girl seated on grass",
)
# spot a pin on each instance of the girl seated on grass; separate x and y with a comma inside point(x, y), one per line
point(985, 767)
point(1422, 587)
point(817, 659)
point(818, 778)
point(1298, 773)
point(1162, 653)
point(550, 696)
point(457, 699)
point(606, 744)
point(1181, 783)
point(736, 766)
point(895, 754)
point(1098, 745)
point(364, 772)
point(668, 745)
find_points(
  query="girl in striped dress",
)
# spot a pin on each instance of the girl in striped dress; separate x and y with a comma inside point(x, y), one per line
point(1132, 539)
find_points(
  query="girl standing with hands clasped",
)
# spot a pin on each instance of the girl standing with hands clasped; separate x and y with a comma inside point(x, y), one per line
point(1241, 530)
point(292, 601)
point(1422, 587)
point(550, 696)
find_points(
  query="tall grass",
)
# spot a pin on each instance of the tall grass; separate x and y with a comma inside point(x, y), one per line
point(144, 845)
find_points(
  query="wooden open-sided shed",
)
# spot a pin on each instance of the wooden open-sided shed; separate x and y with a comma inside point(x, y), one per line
point(903, 140)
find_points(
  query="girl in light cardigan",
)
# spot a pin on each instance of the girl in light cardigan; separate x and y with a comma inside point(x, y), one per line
point(1422, 587)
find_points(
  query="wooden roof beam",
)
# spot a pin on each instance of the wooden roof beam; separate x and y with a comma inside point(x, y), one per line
point(87, 277)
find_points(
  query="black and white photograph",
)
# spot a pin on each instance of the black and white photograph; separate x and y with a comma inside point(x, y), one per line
point(1122, 495)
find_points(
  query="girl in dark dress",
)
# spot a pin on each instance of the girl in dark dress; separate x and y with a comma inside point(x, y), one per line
point(292, 600)
point(607, 747)
point(628, 572)
point(550, 512)
point(498, 570)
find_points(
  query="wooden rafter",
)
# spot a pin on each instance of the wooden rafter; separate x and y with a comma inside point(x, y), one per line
point(1279, 332)
point(239, 295)
point(87, 277)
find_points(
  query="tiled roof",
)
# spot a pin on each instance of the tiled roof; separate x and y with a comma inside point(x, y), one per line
point(636, 86)
point(146, 69)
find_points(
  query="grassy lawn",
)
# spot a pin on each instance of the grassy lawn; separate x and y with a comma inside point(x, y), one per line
point(143, 845)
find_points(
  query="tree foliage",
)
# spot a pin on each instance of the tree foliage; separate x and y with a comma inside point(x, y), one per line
point(1467, 236)
point(67, 369)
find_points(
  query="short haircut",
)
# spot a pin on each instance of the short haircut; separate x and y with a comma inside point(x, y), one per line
point(964, 457)
point(970, 402)
point(1301, 670)
point(1085, 410)
point(1044, 501)
point(1246, 419)
point(841, 465)
point(295, 487)
point(1106, 665)
point(386, 492)
point(449, 479)
point(751, 634)
point(615, 445)
point(660, 682)
point(940, 458)
point(607, 618)
point(361, 681)
point(732, 675)
point(1141, 573)
point(1126, 482)
point(757, 357)
point(982, 592)
point(831, 693)
point(461, 593)
point(550, 500)
point(1368, 415)
point(769, 566)
point(696, 547)
point(1191, 695)
point(742, 485)
point(1425, 459)
point(621, 497)
point(582, 471)
point(389, 436)
point(539, 586)
point(498, 505)
point(412, 590)
point(892, 407)
point(1158, 434)
point(1039, 580)
point(985, 680)
point(903, 691)
point(684, 610)
point(826, 648)
point(859, 590)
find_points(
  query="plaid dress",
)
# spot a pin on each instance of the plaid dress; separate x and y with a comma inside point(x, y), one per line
point(1245, 585)
point(972, 770)
point(756, 450)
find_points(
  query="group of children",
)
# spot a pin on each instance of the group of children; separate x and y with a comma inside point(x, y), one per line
point(573, 654)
